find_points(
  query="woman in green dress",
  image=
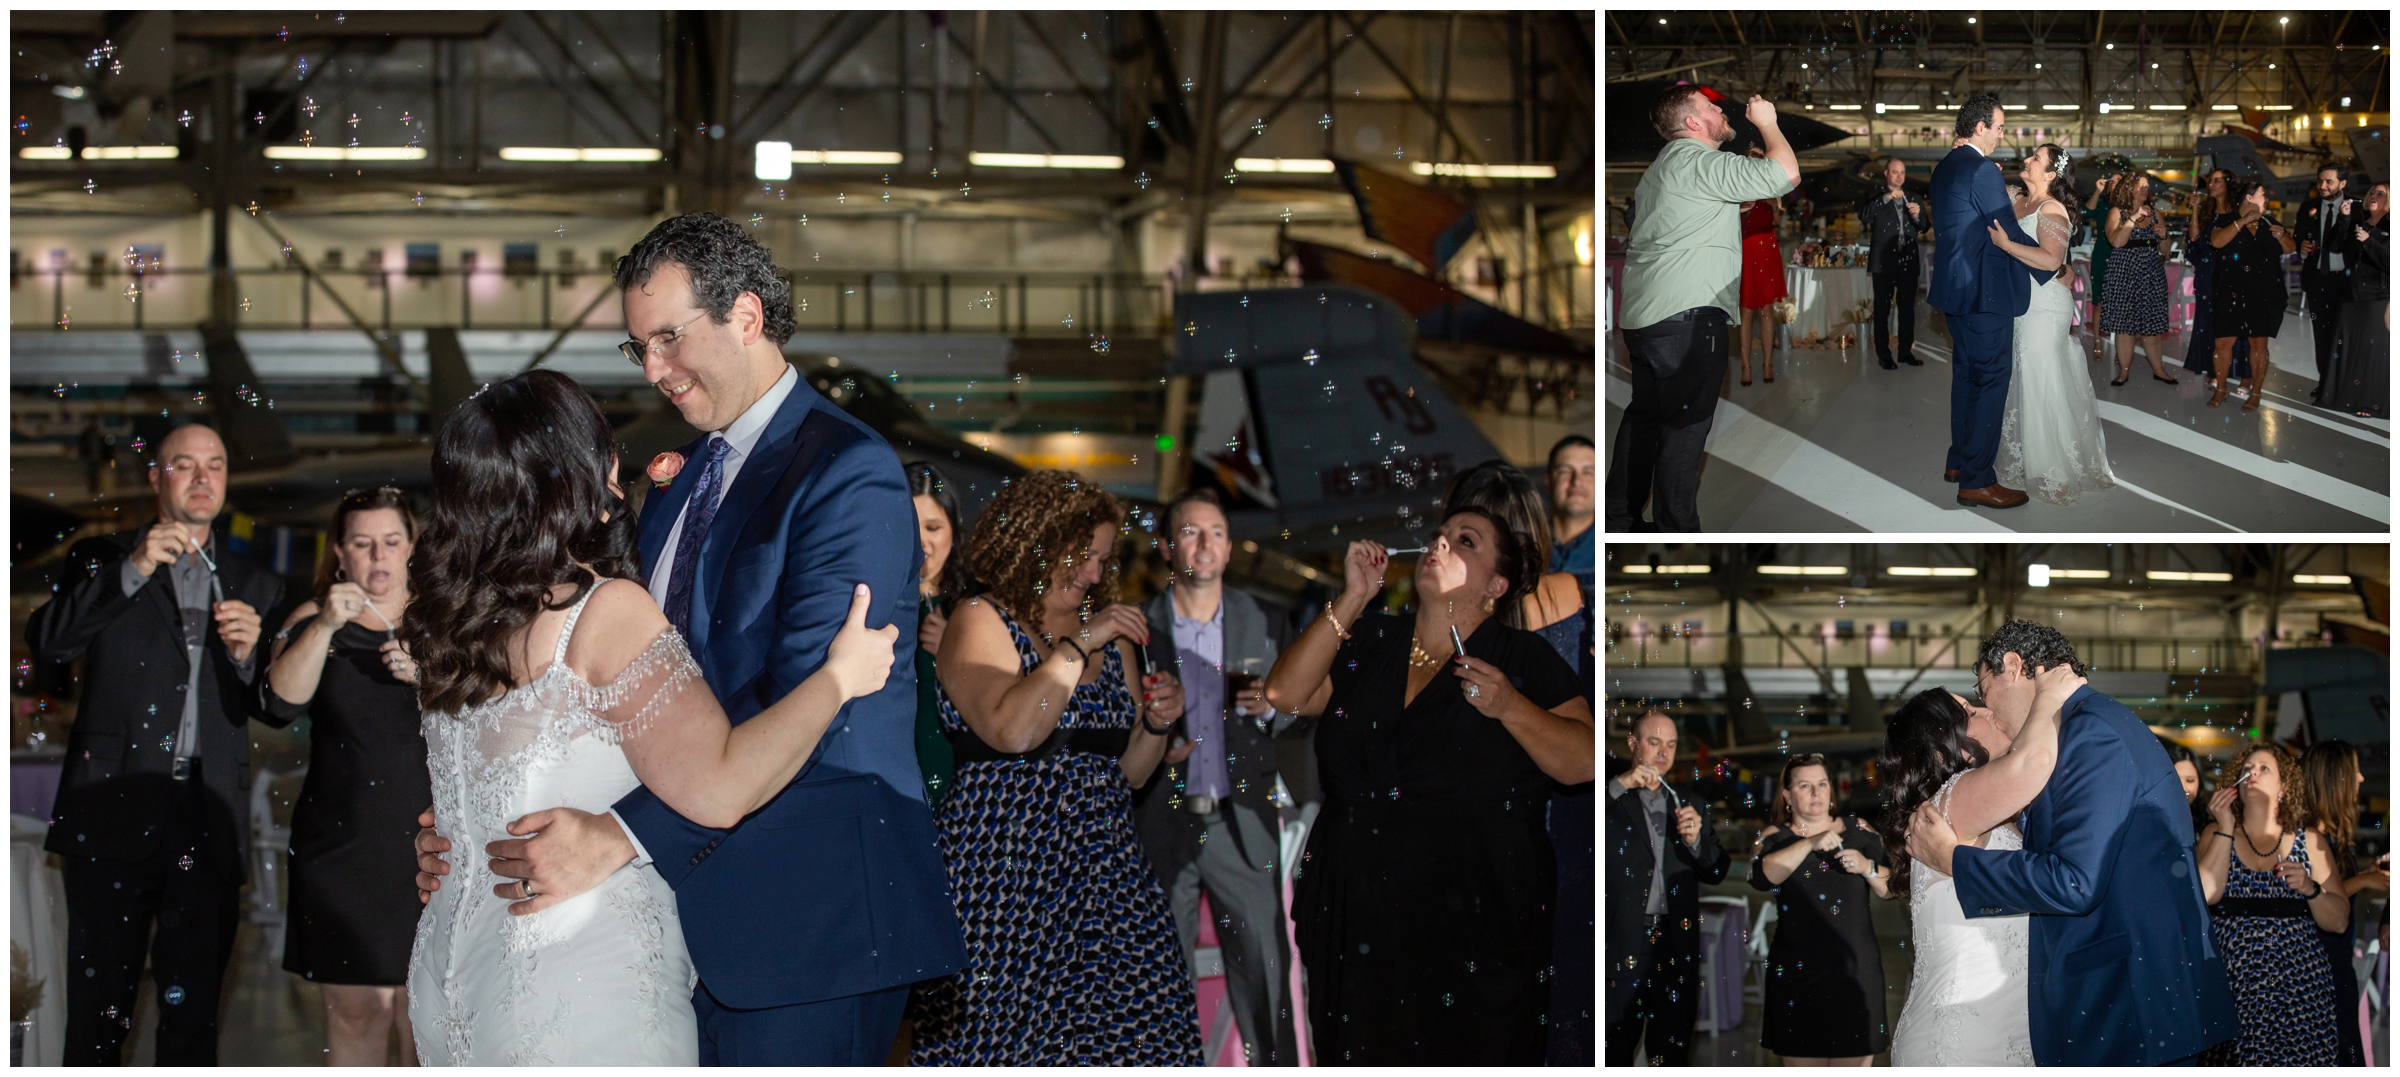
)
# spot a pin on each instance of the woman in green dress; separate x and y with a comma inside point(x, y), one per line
point(937, 591)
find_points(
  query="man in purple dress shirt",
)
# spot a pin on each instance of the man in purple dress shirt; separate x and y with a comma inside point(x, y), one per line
point(1207, 821)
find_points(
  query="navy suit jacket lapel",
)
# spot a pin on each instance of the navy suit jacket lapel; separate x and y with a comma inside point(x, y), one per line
point(762, 469)
point(662, 506)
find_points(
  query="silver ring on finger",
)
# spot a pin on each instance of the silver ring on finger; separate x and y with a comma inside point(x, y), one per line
point(528, 887)
point(1475, 691)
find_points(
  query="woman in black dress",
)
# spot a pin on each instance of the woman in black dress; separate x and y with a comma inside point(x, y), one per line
point(2330, 768)
point(937, 592)
point(2210, 211)
point(353, 910)
point(2250, 289)
point(1424, 900)
point(1825, 984)
point(2361, 379)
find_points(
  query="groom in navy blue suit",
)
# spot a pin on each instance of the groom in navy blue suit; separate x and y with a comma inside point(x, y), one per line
point(807, 921)
point(2123, 969)
point(1981, 290)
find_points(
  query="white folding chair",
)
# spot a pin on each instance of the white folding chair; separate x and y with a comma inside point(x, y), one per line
point(1754, 971)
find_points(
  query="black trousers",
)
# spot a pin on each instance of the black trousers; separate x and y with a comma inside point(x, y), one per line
point(1895, 288)
point(1678, 370)
point(191, 892)
point(1664, 1016)
point(2324, 323)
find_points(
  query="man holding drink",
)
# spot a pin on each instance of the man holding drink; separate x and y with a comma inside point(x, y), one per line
point(1207, 821)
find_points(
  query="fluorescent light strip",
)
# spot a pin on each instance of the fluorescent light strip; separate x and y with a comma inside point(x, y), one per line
point(845, 157)
point(2167, 108)
point(1802, 570)
point(2275, 108)
point(2079, 574)
point(1845, 108)
point(2063, 108)
point(340, 153)
point(2342, 581)
point(1485, 171)
point(100, 153)
point(1282, 164)
point(593, 155)
point(1665, 570)
point(1044, 160)
point(1908, 570)
point(2224, 108)
point(2191, 577)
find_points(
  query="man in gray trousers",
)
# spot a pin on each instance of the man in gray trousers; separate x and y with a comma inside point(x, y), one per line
point(1207, 820)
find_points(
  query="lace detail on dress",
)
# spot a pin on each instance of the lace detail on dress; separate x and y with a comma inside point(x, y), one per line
point(2051, 444)
point(571, 984)
point(1968, 986)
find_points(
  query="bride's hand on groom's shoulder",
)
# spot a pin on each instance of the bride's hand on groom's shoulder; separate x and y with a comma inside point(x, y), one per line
point(2056, 683)
point(860, 658)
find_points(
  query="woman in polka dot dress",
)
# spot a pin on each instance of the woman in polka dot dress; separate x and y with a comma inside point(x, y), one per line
point(2270, 885)
point(1072, 952)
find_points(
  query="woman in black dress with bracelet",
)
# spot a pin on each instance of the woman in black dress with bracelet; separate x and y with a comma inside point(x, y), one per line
point(1825, 970)
point(1424, 900)
point(2250, 290)
point(353, 912)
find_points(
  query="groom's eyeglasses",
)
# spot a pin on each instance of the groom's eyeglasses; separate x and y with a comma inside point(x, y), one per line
point(665, 342)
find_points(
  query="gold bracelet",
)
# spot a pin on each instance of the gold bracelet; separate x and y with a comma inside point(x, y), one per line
point(1335, 622)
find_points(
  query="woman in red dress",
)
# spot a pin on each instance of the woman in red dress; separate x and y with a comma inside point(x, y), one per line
point(1762, 282)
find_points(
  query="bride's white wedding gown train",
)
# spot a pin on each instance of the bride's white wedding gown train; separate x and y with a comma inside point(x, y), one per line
point(2050, 441)
point(1967, 1003)
point(601, 979)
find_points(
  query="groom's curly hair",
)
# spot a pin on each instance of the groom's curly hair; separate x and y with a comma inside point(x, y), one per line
point(2039, 646)
point(722, 262)
point(1982, 108)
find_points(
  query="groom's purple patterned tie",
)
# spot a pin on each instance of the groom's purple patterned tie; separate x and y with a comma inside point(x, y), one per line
point(697, 514)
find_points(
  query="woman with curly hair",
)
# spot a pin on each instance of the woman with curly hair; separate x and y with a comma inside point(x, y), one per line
point(2272, 882)
point(1072, 952)
point(1424, 908)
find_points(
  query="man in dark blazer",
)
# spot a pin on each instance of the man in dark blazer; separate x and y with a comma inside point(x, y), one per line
point(1895, 220)
point(152, 821)
point(1660, 851)
point(2323, 224)
point(807, 921)
point(1982, 290)
point(1207, 819)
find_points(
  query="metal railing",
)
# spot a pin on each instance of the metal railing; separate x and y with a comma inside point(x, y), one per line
point(836, 300)
point(1763, 650)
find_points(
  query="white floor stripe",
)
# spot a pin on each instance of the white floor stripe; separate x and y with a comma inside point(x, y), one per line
point(2291, 476)
point(2348, 424)
point(2178, 506)
point(1818, 476)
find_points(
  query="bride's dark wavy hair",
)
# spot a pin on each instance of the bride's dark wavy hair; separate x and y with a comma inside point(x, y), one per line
point(2062, 178)
point(1924, 743)
point(520, 482)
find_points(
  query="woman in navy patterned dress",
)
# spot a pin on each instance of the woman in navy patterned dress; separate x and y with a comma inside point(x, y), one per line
point(2272, 885)
point(1072, 952)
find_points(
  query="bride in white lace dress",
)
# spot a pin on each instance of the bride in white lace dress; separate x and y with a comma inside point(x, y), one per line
point(2051, 445)
point(546, 683)
point(1966, 1002)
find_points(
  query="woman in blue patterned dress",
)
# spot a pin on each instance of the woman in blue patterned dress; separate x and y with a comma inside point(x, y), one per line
point(1072, 952)
point(2137, 277)
point(2271, 883)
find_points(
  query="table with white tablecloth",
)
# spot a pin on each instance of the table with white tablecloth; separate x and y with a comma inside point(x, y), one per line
point(37, 926)
point(1825, 296)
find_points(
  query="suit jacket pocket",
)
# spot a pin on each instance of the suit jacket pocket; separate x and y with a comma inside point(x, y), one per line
point(95, 757)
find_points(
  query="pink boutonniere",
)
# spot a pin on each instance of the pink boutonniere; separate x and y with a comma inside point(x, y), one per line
point(664, 468)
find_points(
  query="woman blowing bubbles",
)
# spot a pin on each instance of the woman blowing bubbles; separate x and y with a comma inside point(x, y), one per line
point(336, 663)
point(1424, 903)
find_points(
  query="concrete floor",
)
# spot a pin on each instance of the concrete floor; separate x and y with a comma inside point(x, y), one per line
point(1840, 444)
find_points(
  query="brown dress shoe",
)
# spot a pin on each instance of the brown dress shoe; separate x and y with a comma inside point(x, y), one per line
point(1994, 496)
point(1950, 475)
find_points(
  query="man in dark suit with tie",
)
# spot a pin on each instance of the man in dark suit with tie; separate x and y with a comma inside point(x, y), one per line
point(1982, 290)
point(1660, 851)
point(1895, 220)
point(2324, 223)
point(152, 823)
point(807, 921)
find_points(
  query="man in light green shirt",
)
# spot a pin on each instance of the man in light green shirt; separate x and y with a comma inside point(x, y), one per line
point(1683, 283)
